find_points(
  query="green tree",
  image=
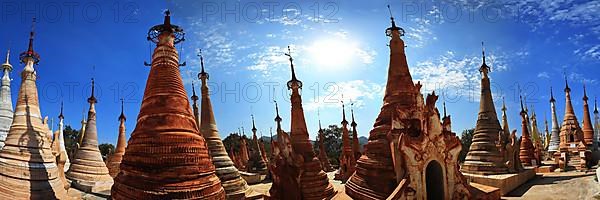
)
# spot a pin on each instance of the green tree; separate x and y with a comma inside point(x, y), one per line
point(466, 138)
point(106, 149)
point(332, 142)
point(71, 137)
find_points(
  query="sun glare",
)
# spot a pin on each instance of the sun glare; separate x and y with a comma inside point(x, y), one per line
point(331, 54)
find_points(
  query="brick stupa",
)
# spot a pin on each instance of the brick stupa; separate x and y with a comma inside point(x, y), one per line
point(347, 160)
point(28, 168)
point(484, 156)
point(572, 143)
point(114, 160)
point(526, 150)
point(256, 163)
point(314, 183)
point(166, 156)
point(411, 154)
point(235, 187)
point(355, 143)
point(312, 180)
point(588, 129)
point(88, 172)
point(323, 158)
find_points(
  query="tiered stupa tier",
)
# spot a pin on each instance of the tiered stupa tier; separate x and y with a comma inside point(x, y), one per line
point(526, 151)
point(28, 168)
point(347, 160)
point(555, 132)
point(483, 156)
point(355, 143)
point(88, 172)
point(505, 129)
point(114, 161)
point(256, 163)
point(166, 156)
point(235, 187)
point(6, 109)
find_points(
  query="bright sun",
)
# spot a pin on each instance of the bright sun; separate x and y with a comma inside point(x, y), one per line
point(331, 54)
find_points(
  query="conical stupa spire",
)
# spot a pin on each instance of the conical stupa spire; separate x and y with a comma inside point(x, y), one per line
point(88, 172)
point(483, 156)
point(61, 138)
point(30, 53)
point(195, 105)
point(555, 131)
point(157, 163)
point(505, 128)
point(355, 144)
point(400, 94)
point(588, 129)
point(256, 163)
point(347, 160)
point(26, 147)
point(6, 106)
point(235, 187)
point(313, 178)
point(526, 148)
point(596, 124)
point(323, 158)
point(570, 132)
point(114, 161)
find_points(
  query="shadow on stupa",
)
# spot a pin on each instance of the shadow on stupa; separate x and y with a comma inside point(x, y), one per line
point(33, 143)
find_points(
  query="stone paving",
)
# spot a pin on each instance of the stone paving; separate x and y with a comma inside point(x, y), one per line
point(563, 185)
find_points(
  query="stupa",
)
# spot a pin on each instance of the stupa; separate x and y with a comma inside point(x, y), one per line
point(355, 143)
point(114, 161)
point(166, 156)
point(410, 153)
point(323, 158)
point(555, 132)
point(235, 187)
point(195, 106)
point(314, 183)
point(483, 156)
point(596, 125)
point(6, 109)
point(256, 163)
point(526, 151)
point(28, 168)
point(347, 160)
point(61, 139)
point(588, 129)
point(81, 131)
point(88, 172)
point(284, 166)
point(244, 155)
point(536, 139)
point(572, 149)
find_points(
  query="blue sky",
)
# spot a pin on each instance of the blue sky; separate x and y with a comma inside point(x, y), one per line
point(339, 48)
